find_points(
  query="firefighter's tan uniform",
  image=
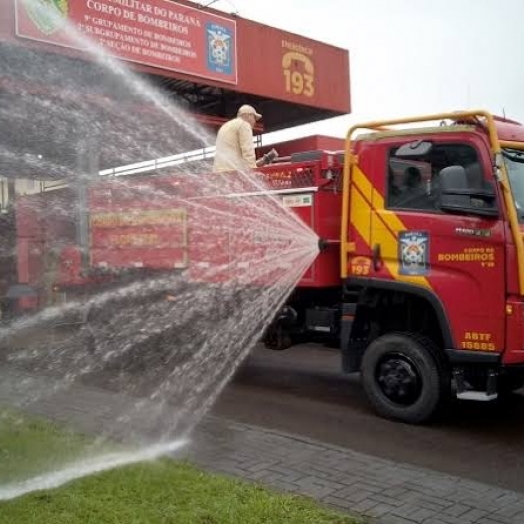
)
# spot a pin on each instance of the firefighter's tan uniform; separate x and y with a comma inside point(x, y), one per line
point(234, 147)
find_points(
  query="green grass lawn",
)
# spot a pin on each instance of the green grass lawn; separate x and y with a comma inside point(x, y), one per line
point(159, 492)
point(29, 446)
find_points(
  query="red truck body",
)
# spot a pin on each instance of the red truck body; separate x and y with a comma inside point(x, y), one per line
point(162, 222)
point(133, 227)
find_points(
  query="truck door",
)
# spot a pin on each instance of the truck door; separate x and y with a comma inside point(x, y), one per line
point(457, 257)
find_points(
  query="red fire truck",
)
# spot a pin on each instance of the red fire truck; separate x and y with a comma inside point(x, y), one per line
point(420, 274)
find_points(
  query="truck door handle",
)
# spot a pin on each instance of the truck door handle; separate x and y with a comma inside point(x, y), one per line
point(376, 257)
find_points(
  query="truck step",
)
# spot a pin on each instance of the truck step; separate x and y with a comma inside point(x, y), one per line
point(481, 396)
point(468, 393)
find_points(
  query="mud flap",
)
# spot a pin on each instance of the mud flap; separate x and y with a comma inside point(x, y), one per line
point(350, 357)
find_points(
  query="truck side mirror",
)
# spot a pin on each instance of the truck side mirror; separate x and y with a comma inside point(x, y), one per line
point(457, 196)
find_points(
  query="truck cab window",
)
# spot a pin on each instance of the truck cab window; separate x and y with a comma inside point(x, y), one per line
point(514, 161)
point(413, 181)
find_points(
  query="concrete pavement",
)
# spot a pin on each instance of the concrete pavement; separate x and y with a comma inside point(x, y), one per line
point(387, 492)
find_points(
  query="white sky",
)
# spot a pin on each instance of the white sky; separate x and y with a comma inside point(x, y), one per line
point(409, 57)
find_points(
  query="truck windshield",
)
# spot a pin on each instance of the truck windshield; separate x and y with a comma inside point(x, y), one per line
point(514, 160)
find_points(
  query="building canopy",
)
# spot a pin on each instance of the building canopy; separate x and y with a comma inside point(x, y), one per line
point(137, 80)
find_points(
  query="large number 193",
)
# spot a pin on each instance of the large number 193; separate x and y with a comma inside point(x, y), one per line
point(298, 83)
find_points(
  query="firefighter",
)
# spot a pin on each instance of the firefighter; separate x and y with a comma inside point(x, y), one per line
point(234, 143)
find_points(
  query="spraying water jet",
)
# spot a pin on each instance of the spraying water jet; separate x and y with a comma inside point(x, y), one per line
point(152, 286)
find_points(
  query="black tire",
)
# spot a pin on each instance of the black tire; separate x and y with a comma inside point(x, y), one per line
point(404, 378)
point(277, 339)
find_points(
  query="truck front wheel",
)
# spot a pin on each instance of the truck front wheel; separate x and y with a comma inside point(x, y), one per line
point(403, 377)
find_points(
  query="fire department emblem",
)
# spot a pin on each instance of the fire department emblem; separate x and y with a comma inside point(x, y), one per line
point(413, 247)
point(48, 15)
point(219, 49)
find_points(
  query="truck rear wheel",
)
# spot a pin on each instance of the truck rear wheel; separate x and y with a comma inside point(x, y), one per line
point(403, 377)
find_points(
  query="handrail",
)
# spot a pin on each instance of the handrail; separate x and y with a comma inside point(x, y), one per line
point(346, 246)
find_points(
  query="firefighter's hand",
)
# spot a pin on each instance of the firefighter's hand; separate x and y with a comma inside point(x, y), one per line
point(270, 156)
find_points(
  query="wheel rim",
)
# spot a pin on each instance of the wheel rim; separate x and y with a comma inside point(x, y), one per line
point(398, 379)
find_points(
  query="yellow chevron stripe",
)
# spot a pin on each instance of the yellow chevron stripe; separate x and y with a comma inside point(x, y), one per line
point(360, 214)
point(363, 183)
point(364, 222)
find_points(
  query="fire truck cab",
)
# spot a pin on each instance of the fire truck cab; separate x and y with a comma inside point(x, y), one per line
point(431, 264)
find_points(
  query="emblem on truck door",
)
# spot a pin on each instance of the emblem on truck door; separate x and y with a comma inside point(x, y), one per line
point(413, 252)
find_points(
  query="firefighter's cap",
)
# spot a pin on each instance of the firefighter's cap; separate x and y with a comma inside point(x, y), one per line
point(248, 110)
